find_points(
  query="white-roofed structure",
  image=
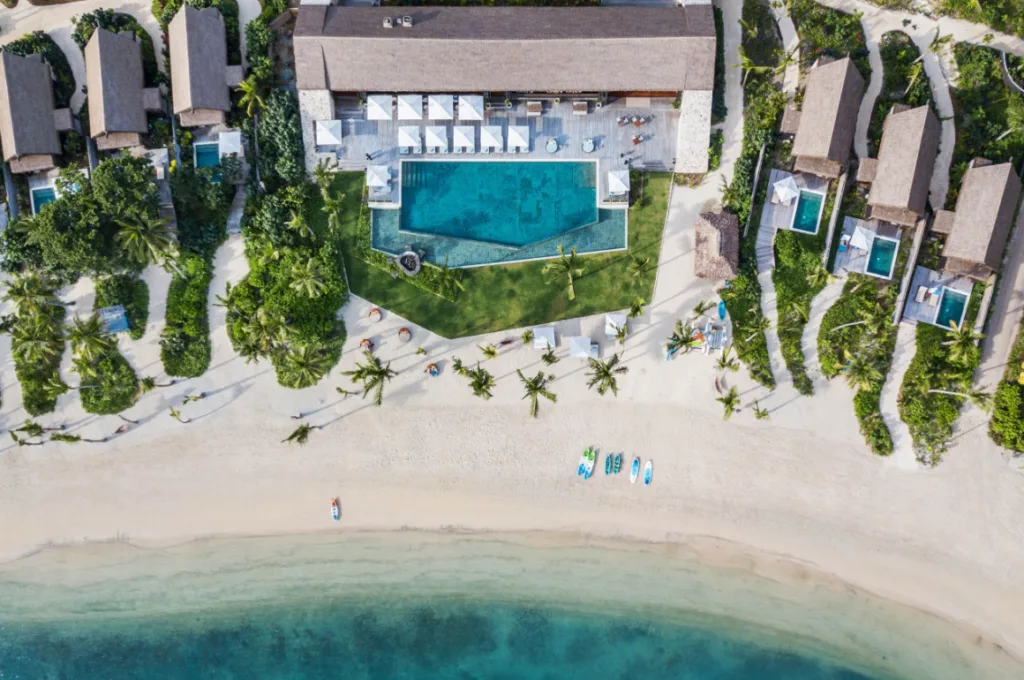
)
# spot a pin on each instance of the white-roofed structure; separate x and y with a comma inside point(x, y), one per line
point(612, 324)
point(440, 107)
point(862, 238)
point(544, 337)
point(410, 107)
point(582, 347)
point(437, 137)
point(379, 107)
point(519, 137)
point(409, 138)
point(464, 137)
point(378, 177)
point(618, 182)
point(230, 142)
point(492, 138)
point(786, 190)
point(471, 107)
point(328, 133)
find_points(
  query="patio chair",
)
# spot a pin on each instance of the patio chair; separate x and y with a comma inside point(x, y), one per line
point(405, 150)
point(431, 150)
point(933, 300)
point(459, 149)
point(922, 293)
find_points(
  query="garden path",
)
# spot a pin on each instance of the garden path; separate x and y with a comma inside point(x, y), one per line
point(229, 266)
point(791, 43)
point(1005, 318)
point(144, 354)
point(821, 303)
point(903, 445)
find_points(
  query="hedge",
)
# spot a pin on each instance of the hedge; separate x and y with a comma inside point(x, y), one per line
point(36, 377)
point(185, 341)
point(131, 292)
point(719, 110)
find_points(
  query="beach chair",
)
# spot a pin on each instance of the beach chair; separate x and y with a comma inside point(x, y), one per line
point(933, 300)
point(405, 151)
point(922, 293)
point(459, 149)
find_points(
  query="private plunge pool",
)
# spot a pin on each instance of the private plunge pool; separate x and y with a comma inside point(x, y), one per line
point(472, 213)
point(207, 154)
point(952, 308)
point(808, 212)
point(41, 196)
point(882, 258)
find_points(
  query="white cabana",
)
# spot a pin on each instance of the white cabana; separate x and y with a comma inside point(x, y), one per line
point(618, 182)
point(437, 138)
point(786, 190)
point(582, 347)
point(440, 107)
point(379, 107)
point(463, 138)
point(378, 177)
point(328, 133)
point(861, 239)
point(491, 138)
point(612, 324)
point(544, 337)
point(410, 107)
point(518, 137)
point(471, 107)
point(230, 142)
point(409, 138)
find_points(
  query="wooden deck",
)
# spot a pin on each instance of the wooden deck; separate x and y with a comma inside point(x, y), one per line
point(855, 260)
point(925, 311)
point(780, 215)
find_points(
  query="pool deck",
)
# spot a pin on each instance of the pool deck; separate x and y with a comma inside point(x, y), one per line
point(855, 260)
point(924, 312)
point(780, 215)
point(379, 140)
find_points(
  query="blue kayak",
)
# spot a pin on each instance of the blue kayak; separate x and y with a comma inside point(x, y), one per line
point(721, 310)
point(634, 471)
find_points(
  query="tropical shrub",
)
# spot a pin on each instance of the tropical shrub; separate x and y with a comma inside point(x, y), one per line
point(38, 369)
point(282, 158)
point(904, 82)
point(185, 341)
point(825, 31)
point(132, 293)
point(1007, 425)
point(1002, 15)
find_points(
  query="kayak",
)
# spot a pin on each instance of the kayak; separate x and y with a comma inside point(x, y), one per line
point(721, 310)
point(608, 464)
point(591, 459)
point(581, 470)
point(648, 471)
point(617, 467)
point(634, 472)
point(335, 510)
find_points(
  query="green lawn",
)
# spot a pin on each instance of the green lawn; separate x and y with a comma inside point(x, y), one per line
point(511, 296)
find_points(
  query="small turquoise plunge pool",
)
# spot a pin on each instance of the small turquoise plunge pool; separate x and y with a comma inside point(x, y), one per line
point(882, 259)
point(41, 197)
point(952, 308)
point(808, 212)
point(207, 154)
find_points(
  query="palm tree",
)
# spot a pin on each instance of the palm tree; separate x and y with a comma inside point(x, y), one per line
point(747, 66)
point(458, 368)
point(916, 69)
point(176, 414)
point(268, 253)
point(798, 313)
point(759, 325)
point(962, 344)
point(230, 306)
point(449, 281)
point(702, 308)
point(620, 334)
point(874, 320)
point(760, 413)
point(373, 374)
point(726, 362)
point(89, 339)
point(818, 277)
point(565, 266)
point(148, 383)
point(636, 308)
point(750, 29)
point(300, 435)
point(23, 442)
point(549, 357)
point(55, 387)
point(490, 351)
point(638, 268)
point(34, 430)
point(862, 372)
point(332, 207)
point(33, 341)
point(189, 398)
point(730, 402)
point(681, 339)
point(148, 240)
point(28, 292)
point(251, 99)
point(536, 386)
point(304, 366)
point(73, 439)
point(527, 336)
point(297, 223)
point(323, 173)
point(265, 331)
point(307, 279)
point(1014, 115)
point(979, 397)
point(481, 382)
point(603, 375)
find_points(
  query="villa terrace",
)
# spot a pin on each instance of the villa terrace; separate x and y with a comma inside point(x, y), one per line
point(784, 198)
point(857, 252)
point(937, 298)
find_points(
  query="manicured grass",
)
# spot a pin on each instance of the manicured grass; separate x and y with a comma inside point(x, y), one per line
point(130, 291)
point(510, 296)
point(899, 60)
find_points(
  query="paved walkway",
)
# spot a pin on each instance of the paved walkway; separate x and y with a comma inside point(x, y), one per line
point(791, 43)
point(903, 446)
point(1007, 309)
point(821, 303)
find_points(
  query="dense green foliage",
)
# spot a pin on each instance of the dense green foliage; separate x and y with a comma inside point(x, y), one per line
point(129, 291)
point(715, 150)
point(116, 22)
point(185, 341)
point(829, 32)
point(40, 43)
point(904, 83)
point(985, 110)
point(164, 11)
point(115, 387)
point(1002, 15)
point(1007, 425)
point(719, 110)
point(38, 372)
point(281, 159)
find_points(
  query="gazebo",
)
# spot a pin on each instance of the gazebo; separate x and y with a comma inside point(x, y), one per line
point(544, 337)
point(437, 139)
point(378, 177)
point(463, 139)
point(440, 107)
point(328, 133)
point(471, 107)
point(518, 138)
point(582, 347)
point(379, 107)
point(410, 107)
point(409, 138)
point(618, 182)
point(491, 138)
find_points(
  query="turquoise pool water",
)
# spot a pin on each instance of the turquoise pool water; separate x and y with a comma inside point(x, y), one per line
point(882, 257)
point(808, 212)
point(505, 203)
point(41, 197)
point(951, 307)
point(207, 154)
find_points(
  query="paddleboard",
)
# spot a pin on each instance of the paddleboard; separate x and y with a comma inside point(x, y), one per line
point(335, 509)
point(591, 459)
point(608, 464)
point(634, 471)
point(648, 471)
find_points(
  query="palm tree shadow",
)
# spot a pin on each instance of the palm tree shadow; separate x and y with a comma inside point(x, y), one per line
point(342, 416)
point(239, 390)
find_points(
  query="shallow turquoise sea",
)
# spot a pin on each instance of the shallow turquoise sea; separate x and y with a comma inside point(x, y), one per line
point(459, 641)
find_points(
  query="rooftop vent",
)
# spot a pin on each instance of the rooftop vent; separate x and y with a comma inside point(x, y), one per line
point(407, 21)
point(387, 22)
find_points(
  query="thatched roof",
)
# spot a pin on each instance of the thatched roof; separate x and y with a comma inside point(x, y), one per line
point(522, 49)
point(984, 213)
point(906, 159)
point(113, 75)
point(943, 222)
point(27, 126)
point(199, 58)
point(717, 246)
point(829, 115)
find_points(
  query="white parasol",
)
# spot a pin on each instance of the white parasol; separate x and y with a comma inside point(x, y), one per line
point(379, 107)
point(618, 182)
point(410, 107)
point(786, 189)
point(440, 107)
point(471, 107)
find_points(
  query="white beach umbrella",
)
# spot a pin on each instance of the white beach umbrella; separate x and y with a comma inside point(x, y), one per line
point(463, 136)
point(409, 136)
point(519, 137)
point(471, 107)
point(437, 136)
point(544, 337)
point(410, 107)
point(379, 107)
point(440, 107)
point(230, 141)
point(581, 347)
point(786, 189)
point(492, 138)
point(862, 238)
point(377, 176)
point(618, 182)
point(328, 133)
point(612, 324)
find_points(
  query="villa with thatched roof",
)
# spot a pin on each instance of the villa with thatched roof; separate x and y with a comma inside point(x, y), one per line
point(717, 246)
point(826, 123)
point(901, 176)
point(200, 75)
point(29, 123)
point(982, 221)
point(118, 100)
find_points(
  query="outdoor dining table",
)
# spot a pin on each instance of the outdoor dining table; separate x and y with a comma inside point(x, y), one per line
point(552, 146)
point(588, 146)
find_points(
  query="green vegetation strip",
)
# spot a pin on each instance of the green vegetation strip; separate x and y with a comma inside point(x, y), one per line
point(37, 344)
point(1007, 425)
point(719, 110)
point(825, 31)
point(905, 82)
point(131, 292)
point(1003, 15)
point(108, 382)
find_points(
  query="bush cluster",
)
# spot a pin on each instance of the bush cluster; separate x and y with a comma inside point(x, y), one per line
point(132, 293)
point(1007, 425)
point(1002, 15)
point(282, 157)
point(185, 340)
point(39, 374)
point(825, 31)
point(904, 82)
point(109, 384)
